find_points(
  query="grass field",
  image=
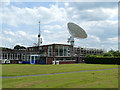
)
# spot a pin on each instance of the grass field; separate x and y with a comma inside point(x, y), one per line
point(91, 79)
point(17, 70)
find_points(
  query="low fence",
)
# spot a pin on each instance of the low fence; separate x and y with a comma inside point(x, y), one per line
point(102, 60)
point(67, 62)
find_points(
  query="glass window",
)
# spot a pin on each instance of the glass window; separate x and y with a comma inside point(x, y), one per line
point(69, 50)
point(61, 50)
point(65, 50)
point(0, 56)
point(29, 57)
point(56, 51)
point(35, 57)
point(50, 50)
point(32, 57)
point(5, 56)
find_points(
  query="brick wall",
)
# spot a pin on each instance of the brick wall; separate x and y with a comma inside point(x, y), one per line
point(14, 62)
point(49, 61)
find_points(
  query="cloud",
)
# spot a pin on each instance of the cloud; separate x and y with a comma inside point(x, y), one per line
point(47, 31)
point(58, 37)
point(16, 16)
point(22, 33)
point(99, 20)
point(113, 39)
point(95, 14)
point(51, 27)
point(103, 29)
point(9, 32)
point(90, 41)
point(90, 5)
point(97, 39)
point(4, 3)
point(11, 38)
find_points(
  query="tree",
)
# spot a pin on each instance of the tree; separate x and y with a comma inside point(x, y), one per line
point(108, 54)
point(18, 47)
point(90, 56)
point(116, 53)
point(111, 51)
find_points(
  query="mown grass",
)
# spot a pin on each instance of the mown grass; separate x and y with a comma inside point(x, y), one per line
point(91, 79)
point(27, 69)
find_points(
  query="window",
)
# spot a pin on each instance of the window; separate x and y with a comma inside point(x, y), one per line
point(69, 51)
point(56, 50)
point(65, 51)
point(61, 50)
point(32, 58)
point(50, 51)
point(35, 57)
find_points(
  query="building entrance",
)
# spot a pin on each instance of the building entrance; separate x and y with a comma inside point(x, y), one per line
point(34, 58)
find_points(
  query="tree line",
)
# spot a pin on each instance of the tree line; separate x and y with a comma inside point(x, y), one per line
point(110, 57)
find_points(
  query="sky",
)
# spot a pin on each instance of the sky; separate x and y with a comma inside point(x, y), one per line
point(20, 25)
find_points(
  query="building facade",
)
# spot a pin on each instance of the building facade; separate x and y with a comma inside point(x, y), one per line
point(46, 54)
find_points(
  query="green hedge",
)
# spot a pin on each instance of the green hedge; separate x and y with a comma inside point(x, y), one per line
point(93, 60)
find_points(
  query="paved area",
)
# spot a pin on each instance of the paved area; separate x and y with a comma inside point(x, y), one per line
point(57, 73)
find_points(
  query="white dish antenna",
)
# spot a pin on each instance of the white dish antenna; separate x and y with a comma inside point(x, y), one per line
point(76, 32)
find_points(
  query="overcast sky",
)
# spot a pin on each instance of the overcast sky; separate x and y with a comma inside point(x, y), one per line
point(98, 19)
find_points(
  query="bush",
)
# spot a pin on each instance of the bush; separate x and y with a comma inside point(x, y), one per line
point(111, 57)
point(102, 60)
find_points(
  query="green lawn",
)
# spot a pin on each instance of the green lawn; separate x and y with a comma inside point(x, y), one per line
point(91, 79)
point(96, 79)
point(27, 69)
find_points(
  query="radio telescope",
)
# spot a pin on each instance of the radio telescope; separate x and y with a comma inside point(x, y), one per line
point(76, 32)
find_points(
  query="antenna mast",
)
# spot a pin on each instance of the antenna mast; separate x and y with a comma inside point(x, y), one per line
point(71, 40)
point(39, 35)
point(39, 27)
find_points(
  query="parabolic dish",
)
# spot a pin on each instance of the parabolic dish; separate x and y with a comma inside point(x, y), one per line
point(76, 31)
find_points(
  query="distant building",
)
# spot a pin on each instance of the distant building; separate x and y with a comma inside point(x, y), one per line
point(83, 51)
point(80, 52)
point(46, 54)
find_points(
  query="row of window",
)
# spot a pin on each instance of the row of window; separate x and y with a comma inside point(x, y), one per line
point(15, 56)
point(89, 52)
point(63, 51)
